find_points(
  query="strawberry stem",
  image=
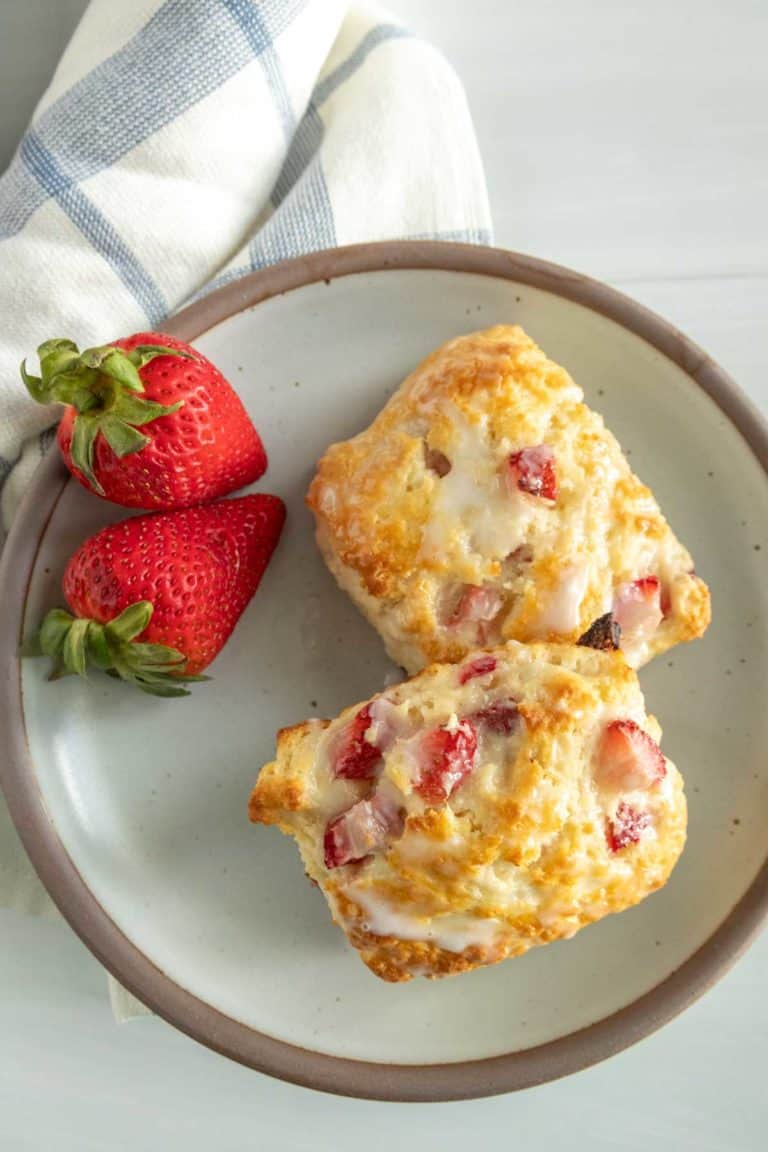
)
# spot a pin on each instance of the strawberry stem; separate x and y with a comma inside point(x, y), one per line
point(75, 643)
point(104, 387)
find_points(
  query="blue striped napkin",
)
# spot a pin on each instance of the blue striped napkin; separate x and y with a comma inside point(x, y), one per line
point(184, 143)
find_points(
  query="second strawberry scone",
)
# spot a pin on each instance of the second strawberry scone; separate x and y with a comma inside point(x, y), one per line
point(480, 809)
point(487, 502)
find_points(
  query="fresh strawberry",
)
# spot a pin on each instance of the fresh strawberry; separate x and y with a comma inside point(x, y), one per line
point(480, 666)
point(156, 597)
point(628, 759)
point(366, 827)
point(637, 607)
point(448, 755)
point(532, 470)
point(626, 827)
point(148, 421)
point(355, 758)
point(499, 716)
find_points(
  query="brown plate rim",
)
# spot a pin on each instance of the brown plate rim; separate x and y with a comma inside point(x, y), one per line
point(377, 1081)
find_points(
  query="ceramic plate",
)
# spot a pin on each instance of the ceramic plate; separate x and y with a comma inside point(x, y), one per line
point(134, 809)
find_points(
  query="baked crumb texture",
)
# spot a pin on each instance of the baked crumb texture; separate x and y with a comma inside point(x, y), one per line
point(487, 502)
point(484, 807)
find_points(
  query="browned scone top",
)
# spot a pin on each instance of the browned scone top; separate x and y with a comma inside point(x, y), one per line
point(480, 809)
point(487, 502)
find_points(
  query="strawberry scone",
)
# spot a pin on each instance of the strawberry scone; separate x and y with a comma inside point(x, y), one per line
point(482, 808)
point(487, 502)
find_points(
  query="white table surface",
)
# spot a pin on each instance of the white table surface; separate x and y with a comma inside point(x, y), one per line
point(627, 139)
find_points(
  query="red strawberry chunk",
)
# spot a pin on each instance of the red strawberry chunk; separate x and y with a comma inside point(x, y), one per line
point(626, 827)
point(365, 828)
point(448, 756)
point(500, 716)
point(437, 461)
point(628, 759)
point(523, 554)
point(480, 666)
point(388, 724)
point(355, 757)
point(637, 606)
point(532, 470)
point(477, 604)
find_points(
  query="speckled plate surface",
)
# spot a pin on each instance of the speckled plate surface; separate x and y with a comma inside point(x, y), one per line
point(134, 810)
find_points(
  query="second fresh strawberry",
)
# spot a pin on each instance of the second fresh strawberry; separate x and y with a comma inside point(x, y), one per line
point(154, 599)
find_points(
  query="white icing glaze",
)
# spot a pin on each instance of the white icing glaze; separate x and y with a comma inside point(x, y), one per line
point(561, 612)
point(452, 723)
point(474, 510)
point(454, 932)
point(389, 793)
point(635, 648)
point(336, 794)
point(404, 767)
point(638, 620)
point(387, 723)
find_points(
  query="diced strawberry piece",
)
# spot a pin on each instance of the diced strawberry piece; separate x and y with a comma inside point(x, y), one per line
point(532, 470)
point(477, 604)
point(355, 757)
point(437, 461)
point(388, 724)
point(500, 716)
point(480, 666)
point(337, 847)
point(447, 758)
point(365, 828)
point(628, 759)
point(626, 827)
point(637, 606)
point(523, 554)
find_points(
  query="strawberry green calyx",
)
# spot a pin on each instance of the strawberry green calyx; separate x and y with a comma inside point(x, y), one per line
point(104, 387)
point(74, 644)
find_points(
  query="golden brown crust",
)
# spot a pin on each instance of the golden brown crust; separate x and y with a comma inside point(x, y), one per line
point(519, 854)
point(401, 538)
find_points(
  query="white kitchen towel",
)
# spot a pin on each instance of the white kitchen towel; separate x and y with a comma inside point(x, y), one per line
point(184, 143)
